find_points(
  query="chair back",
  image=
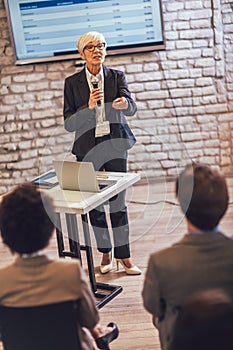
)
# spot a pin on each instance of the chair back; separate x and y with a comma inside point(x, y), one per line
point(45, 327)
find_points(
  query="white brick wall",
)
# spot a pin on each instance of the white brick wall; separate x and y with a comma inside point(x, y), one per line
point(184, 96)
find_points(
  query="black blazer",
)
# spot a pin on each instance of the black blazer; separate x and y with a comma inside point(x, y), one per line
point(80, 119)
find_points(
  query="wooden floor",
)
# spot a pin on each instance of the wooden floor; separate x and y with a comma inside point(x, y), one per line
point(155, 222)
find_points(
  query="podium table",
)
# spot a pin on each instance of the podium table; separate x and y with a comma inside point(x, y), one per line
point(73, 203)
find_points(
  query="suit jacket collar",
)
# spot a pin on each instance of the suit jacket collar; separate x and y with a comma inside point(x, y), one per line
point(107, 74)
point(108, 78)
point(109, 88)
point(108, 84)
point(82, 80)
point(34, 261)
point(191, 238)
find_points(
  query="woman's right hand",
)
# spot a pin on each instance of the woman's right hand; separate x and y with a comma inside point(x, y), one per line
point(95, 95)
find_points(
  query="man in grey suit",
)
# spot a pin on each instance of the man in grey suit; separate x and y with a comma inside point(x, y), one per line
point(96, 103)
point(201, 260)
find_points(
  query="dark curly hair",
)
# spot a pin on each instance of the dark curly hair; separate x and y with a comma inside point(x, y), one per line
point(26, 219)
point(203, 195)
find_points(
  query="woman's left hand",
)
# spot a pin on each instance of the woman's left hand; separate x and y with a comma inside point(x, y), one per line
point(120, 103)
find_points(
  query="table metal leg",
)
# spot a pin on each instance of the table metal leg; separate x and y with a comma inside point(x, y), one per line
point(103, 292)
point(89, 256)
point(60, 241)
point(72, 227)
point(98, 288)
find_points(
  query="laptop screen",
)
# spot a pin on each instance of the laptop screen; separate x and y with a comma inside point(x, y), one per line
point(80, 176)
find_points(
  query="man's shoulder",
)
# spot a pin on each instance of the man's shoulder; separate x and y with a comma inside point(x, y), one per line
point(192, 242)
point(7, 269)
point(67, 270)
point(226, 242)
point(168, 251)
point(177, 248)
point(66, 264)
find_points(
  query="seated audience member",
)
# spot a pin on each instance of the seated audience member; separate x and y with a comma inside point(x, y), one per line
point(202, 259)
point(205, 322)
point(26, 223)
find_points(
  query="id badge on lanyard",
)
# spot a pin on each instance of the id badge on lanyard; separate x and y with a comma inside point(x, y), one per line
point(102, 128)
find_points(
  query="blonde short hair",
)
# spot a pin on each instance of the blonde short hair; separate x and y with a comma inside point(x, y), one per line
point(87, 38)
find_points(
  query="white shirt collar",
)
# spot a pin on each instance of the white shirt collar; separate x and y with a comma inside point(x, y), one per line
point(100, 76)
point(32, 255)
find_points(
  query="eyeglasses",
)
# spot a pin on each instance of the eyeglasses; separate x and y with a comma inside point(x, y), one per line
point(91, 47)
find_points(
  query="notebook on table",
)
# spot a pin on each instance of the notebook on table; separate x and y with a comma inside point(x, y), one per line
point(80, 176)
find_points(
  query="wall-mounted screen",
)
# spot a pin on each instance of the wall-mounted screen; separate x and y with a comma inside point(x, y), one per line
point(47, 30)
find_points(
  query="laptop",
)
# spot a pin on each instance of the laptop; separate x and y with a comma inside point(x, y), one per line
point(80, 176)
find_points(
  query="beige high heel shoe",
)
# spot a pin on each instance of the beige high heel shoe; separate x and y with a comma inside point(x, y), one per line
point(106, 268)
point(129, 270)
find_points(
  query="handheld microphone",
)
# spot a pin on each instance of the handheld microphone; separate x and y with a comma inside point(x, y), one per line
point(95, 84)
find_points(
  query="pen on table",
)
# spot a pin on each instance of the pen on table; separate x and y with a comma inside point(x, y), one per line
point(100, 176)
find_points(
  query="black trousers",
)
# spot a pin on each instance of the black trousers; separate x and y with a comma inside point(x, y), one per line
point(106, 158)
